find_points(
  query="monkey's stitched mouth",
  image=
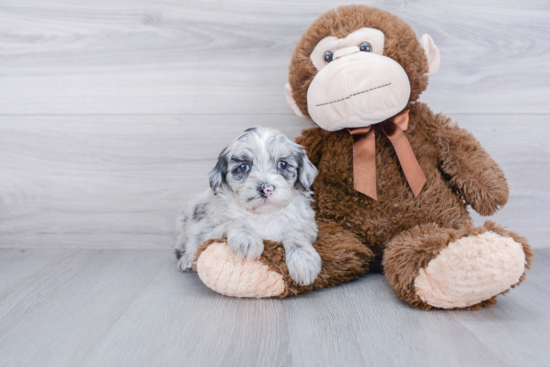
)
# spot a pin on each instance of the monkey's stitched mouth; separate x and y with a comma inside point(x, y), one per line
point(353, 95)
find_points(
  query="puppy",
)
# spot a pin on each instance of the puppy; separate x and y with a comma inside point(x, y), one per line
point(260, 190)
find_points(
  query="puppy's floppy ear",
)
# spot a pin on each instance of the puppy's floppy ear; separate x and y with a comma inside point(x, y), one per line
point(218, 174)
point(306, 170)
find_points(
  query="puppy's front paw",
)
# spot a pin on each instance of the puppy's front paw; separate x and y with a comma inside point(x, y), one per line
point(303, 262)
point(245, 244)
point(185, 263)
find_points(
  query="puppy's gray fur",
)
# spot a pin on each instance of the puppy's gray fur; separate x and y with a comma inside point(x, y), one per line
point(252, 197)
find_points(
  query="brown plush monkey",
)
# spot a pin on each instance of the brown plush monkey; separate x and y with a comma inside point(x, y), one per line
point(357, 72)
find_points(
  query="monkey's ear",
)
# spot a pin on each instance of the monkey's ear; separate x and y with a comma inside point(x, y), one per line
point(290, 100)
point(432, 53)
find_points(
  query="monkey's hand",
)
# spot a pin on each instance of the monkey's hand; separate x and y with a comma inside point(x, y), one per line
point(470, 169)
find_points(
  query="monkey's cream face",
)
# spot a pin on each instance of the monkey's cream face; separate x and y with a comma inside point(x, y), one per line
point(356, 84)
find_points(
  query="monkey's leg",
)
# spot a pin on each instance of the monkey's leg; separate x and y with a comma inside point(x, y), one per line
point(465, 268)
point(343, 258)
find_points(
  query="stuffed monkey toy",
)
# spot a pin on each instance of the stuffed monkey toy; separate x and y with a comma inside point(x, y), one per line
point(395, 180)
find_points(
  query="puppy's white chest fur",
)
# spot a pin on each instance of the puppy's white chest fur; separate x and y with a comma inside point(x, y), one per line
point(275, 226)
point(271, 226)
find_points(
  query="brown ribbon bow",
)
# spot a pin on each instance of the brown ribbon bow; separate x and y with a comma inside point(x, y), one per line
point(364, 155)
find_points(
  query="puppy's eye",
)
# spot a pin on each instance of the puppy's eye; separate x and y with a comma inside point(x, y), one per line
point(328, 56)
point(365, 47)
point(243, 168)
point(282, 165)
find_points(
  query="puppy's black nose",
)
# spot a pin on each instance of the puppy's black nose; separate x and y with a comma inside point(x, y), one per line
point(266, 190)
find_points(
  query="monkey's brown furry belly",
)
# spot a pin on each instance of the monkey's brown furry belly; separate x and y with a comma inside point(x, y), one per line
point(375, 223)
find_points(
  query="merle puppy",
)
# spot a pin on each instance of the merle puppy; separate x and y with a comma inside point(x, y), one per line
point(260, 190)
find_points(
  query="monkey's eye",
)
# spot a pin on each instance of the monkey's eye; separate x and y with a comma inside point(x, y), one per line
point(328, 56)
point(282, 165)
point(365, 46)
point(243, 168)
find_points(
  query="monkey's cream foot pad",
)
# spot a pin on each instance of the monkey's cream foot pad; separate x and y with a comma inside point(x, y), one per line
point(223, 272)
point(471, 270)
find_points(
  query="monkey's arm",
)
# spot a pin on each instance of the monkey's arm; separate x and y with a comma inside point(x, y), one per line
point(472, 171)
point(312, 140)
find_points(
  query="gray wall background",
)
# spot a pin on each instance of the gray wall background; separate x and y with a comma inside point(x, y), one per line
point(112, 112)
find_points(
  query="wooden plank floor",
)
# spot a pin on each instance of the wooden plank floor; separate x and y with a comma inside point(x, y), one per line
point(133, 308)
